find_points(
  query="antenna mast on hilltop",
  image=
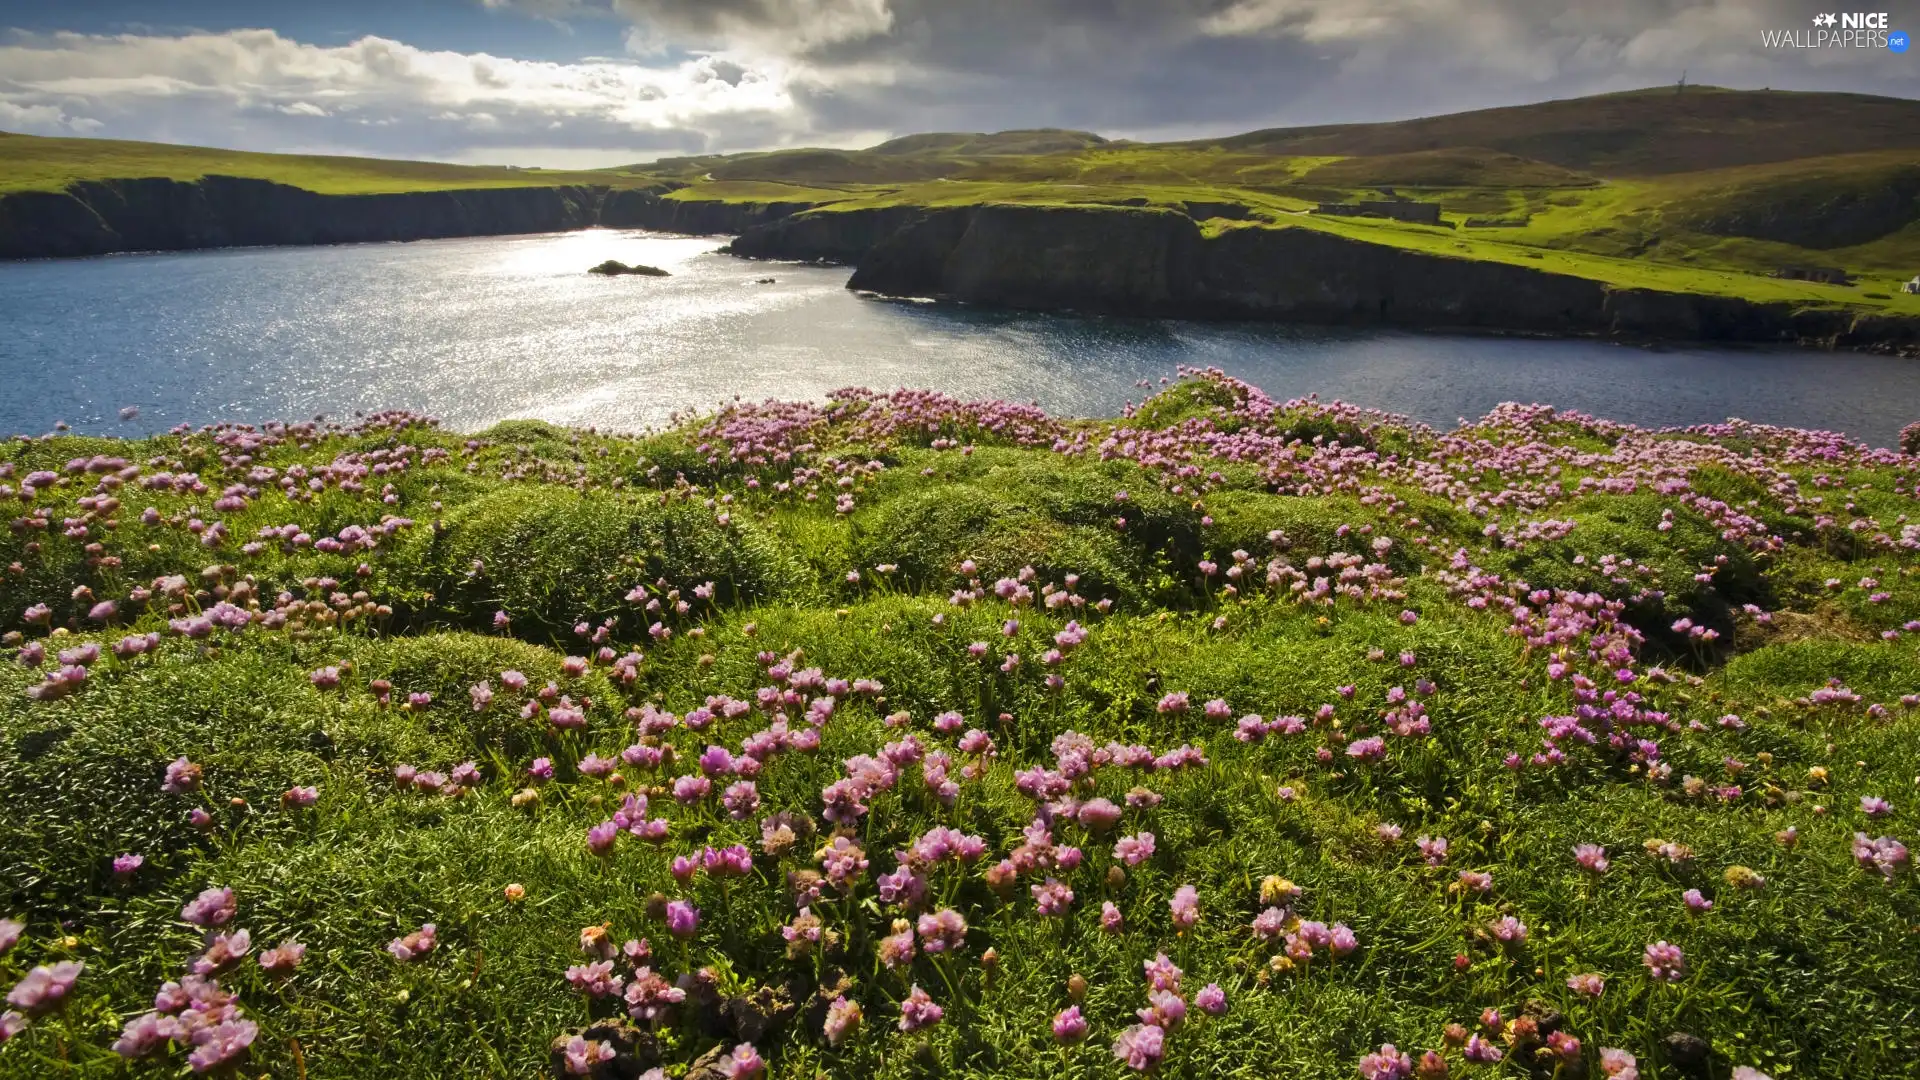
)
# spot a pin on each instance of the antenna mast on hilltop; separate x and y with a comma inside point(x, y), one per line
point(1681, 87)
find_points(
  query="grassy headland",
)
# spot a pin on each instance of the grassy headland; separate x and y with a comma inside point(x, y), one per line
point(1707, 191)
point(1546, 738)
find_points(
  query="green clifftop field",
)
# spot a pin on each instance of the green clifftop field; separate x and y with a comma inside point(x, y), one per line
point(898, 736)
point(1769, 196)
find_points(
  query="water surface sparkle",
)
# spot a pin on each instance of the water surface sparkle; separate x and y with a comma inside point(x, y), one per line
point(483, 329)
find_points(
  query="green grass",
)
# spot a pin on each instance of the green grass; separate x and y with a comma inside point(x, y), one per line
point(551, 526)
point(1711, 191)
point(36, 163)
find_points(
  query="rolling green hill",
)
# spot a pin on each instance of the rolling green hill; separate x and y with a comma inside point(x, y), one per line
point(37, 163)
point(1636, 133)
point(1734, 191)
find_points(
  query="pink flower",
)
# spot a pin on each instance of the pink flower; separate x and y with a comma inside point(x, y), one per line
point(1618, 1064)
point(1590, 985)
point(1665, 962)
point(1885, 854)
point(583, 1054)
point(44, 988)
point(1069, 1026)
point(282, 958)
point(1098, 815)
point(1165, 1009)
point(1052, 898)
point(1134, 850)
point(1140, 1046)
point(1185, 905)
point(743, 1063)
point(1591, 857)
point(1481, 1052)
point(1211, 1000)
point(683, 919)
point(918, 1011)
point(223, 952)
point(213, 907)
point(1386, 1063)
point(221, 1044)
point(415, 945)
point(1161, 974)
point(843, 1018)
point(182, 776)
point(1110, 918)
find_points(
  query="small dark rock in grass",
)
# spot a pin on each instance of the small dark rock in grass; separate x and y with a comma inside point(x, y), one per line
point(615, 268)
point(755, 1016)
point(1689, 1054)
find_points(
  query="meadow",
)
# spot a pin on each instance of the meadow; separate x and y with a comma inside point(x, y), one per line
point(894, 735)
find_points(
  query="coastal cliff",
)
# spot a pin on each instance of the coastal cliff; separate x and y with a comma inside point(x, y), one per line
point(1159, 262)
point(1127, 260)
point(103, 217)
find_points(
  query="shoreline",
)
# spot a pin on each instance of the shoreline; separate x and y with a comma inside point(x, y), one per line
point(1153, 262)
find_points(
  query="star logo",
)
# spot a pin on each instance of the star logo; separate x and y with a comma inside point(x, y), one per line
point(1824, 20)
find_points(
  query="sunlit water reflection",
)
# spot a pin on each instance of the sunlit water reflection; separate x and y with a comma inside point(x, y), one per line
point(478, 330)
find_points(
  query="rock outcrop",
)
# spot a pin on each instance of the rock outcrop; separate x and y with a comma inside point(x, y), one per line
point(1159, 262)
point(616, 268)
point(103, 217)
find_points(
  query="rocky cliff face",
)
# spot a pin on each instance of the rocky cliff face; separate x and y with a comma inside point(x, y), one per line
point(1147, 261)
point(96, 218)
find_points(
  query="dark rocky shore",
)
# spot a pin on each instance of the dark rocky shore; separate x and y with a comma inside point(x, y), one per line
point(1155, 262)
point(1146, 261)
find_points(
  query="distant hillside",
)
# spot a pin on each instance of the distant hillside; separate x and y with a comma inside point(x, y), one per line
point(39, 163)
point(1637, 133)
point(905, 160)
point(1454, 167)
point(974, 144)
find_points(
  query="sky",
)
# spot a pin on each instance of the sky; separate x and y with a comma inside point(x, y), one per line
point(584, 83)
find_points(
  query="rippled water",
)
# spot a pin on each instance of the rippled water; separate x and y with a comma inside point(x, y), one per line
point(478, 330)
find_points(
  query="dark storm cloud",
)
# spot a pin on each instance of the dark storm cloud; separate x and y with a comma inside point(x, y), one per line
point(1157, 66)
point(704, 75)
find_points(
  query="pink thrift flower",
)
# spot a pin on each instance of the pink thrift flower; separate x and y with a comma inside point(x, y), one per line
point(1591, 857)
point(683, 919)
point(213, 907)
point(415, 945)
point(1386, 1063)
point(1185, 905)
point(843, 1018)
point(1140, 1047)
point(44, 988)
point(1069, 1026)
point(1211, 1000)
point(1665, 962)
point(918, 1011)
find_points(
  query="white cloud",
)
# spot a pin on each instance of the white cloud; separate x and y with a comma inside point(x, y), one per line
point(43, 119)
point(213, 82)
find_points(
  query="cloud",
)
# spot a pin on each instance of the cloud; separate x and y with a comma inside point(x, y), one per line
point(793, 26)
point(707, 75)
point(1171, 68)
point(209, 87)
